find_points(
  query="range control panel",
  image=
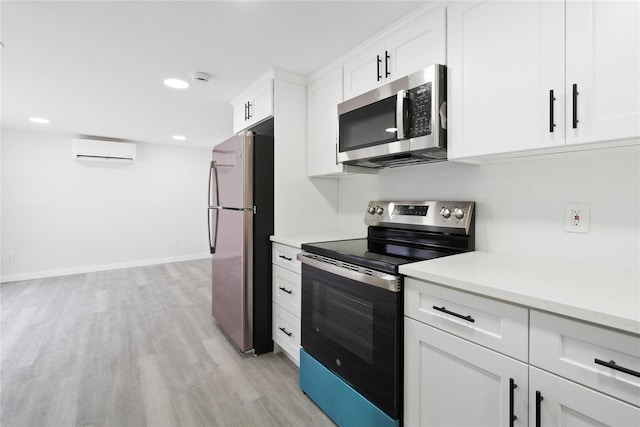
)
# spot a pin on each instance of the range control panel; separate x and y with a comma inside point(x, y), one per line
point(454, 214)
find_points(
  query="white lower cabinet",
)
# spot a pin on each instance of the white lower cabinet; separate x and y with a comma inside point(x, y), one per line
point(453, 382)
point(555, 401)
point(573, 373)
point(286, 332)
point(286, 296)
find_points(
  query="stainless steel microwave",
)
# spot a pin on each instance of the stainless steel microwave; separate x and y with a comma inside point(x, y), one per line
point(401, 123)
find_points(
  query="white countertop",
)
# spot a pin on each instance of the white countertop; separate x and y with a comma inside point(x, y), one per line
point(296, 240)
point(603, 296)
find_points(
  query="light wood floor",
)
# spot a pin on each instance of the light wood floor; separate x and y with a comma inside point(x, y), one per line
point(135, 347)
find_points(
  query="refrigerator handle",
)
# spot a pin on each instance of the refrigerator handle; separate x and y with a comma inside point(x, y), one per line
point(212, 239)
point(213, 173)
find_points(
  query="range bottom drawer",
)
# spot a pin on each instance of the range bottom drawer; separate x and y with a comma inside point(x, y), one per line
point(286, 332)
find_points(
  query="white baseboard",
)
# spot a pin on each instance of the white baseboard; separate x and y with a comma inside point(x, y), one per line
point(91, 269)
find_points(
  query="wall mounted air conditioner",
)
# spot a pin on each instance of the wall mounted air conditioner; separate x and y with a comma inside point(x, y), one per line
point(103, 151)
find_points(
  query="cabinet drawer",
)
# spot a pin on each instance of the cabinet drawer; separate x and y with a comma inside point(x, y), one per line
point(285, 256)
point(286, 289)
point(570, 349)
point(286, 332)
point(499, 326)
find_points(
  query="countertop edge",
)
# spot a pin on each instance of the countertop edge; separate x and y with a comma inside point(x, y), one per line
point(624, 324)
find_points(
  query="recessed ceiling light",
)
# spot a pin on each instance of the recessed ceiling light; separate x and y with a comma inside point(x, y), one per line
point(179, 137)
point(176, 83)
point(39, 120)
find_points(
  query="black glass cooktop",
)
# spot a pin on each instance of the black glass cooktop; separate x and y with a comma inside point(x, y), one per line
point(376, 255)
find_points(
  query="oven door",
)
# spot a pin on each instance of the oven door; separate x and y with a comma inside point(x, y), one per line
point(354, 329)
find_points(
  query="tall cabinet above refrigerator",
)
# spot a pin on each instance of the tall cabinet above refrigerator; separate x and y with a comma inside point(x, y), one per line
point(240, 221)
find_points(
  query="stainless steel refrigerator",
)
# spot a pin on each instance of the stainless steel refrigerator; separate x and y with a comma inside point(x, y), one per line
point(240, 221)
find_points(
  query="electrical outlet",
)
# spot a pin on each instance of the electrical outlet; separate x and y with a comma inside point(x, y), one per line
point(577, 216)
point(178, 243)
point(11, 256)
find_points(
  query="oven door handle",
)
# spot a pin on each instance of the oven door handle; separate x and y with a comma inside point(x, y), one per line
point(371, 277)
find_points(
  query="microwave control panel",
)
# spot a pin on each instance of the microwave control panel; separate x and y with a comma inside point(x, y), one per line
point(420, 110)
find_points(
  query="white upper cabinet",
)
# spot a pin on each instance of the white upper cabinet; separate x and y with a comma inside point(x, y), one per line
point(603, 47)
point(504, 59)
point(414, 46)
point(323, 97)
point(253, 105)
point(509, 90)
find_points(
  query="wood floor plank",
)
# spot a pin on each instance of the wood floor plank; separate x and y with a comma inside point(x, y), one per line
point(135, 347)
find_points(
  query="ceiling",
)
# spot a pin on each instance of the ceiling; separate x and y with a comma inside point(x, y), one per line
point(96, 68)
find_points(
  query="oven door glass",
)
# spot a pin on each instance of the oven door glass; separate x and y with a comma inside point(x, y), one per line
point(373, 124)
point(354, 330)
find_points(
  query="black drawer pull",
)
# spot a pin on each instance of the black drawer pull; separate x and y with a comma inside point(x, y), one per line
point(444, 310)
point(288, 258)
point(283, 289)
point(512, 387)
point(552, 98)
point(575, 106)
point(612, 364)
point(539, 400)
point(285, 332)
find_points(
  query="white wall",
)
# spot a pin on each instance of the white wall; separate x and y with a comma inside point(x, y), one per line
point(61, 216)
point(521, 204)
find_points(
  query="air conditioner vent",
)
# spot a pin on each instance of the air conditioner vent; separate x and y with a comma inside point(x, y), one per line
point(103, 150)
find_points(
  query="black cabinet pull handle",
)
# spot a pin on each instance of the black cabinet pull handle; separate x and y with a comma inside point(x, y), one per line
point(539, 400)
point(286, 332)
point(444, 310)
point(248, 110)
point(378, 61)
point(612, 364)
point(512, 386)
point(288, 258)
point(386, 64)
point(575, 106)
point(283, 289)
point(551, 115)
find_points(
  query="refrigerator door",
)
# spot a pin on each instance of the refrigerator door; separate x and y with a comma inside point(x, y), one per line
point(230, 181)
point(232, 276)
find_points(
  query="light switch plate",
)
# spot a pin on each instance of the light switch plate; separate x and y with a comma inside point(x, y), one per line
point(577, 217)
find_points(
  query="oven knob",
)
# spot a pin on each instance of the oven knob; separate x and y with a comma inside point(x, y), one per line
point(371, 210)
point(379, 210)
point(458, 213)
point(445, 212)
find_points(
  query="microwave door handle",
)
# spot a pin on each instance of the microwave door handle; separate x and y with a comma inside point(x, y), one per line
point(402, 110)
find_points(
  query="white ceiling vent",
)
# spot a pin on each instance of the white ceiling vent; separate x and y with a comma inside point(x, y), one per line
point(104, 151)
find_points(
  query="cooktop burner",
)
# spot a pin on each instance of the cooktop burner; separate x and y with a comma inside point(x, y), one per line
point(356, 252)
point(404, 232)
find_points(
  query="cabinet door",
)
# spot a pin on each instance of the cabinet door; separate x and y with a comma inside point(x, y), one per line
point(450, 381)
point(565, 403)
point(503, 60)
point(239, 117)
point(323, 99)
point(363, 72)
point(603, 49)
point(418, 45)
point(261, 103)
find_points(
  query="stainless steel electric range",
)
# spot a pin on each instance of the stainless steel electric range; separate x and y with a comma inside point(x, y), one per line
point(351, 357)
